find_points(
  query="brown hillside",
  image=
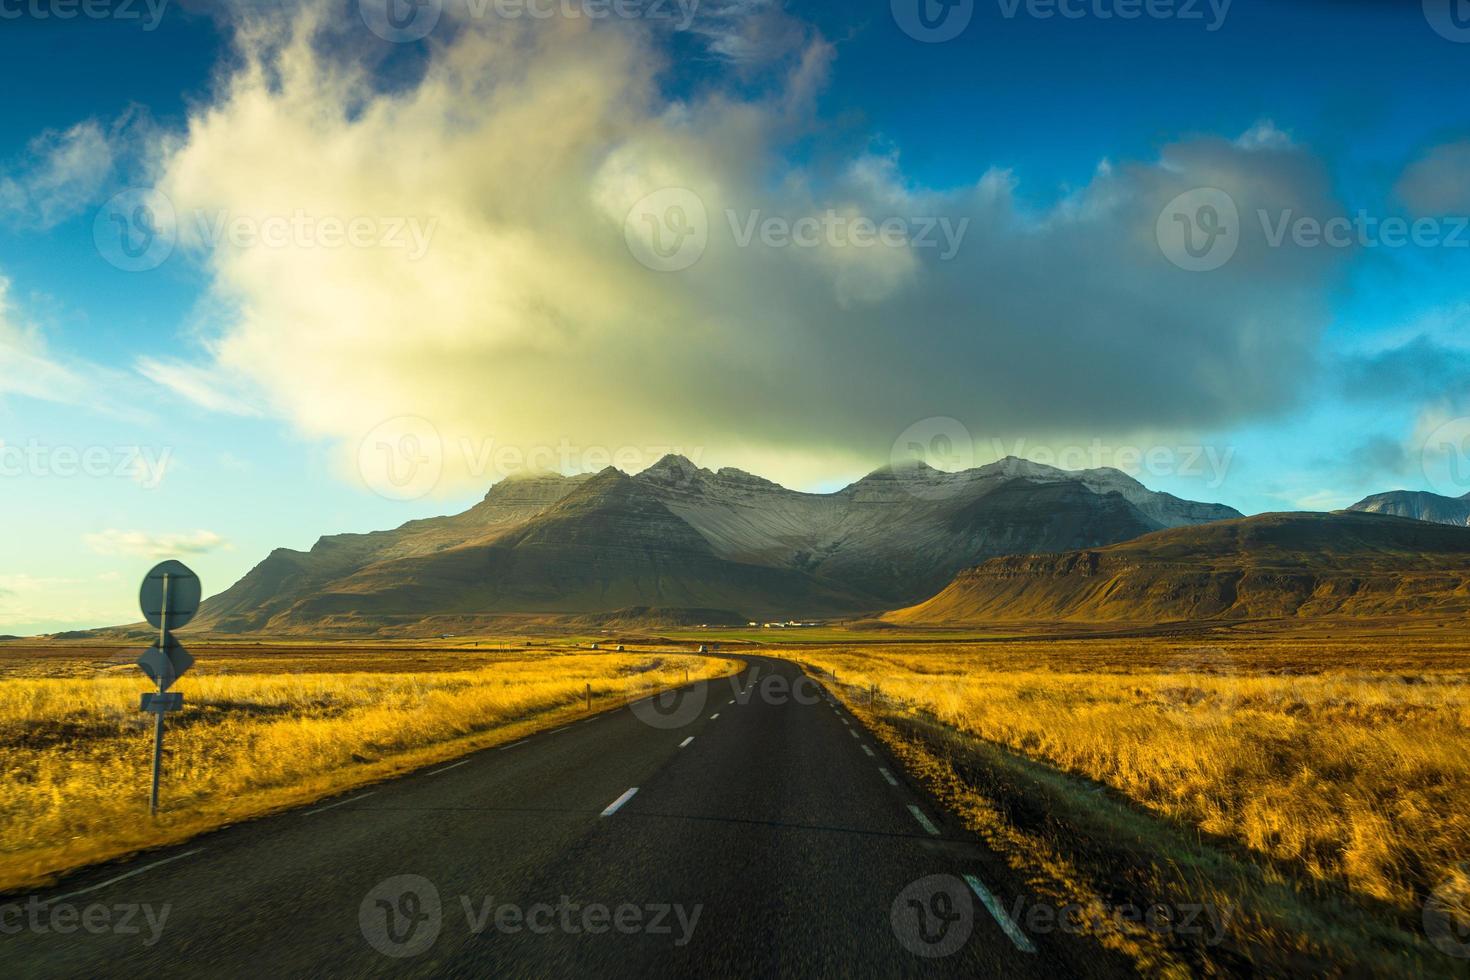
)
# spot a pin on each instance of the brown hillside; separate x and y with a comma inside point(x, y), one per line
point(1270, 566)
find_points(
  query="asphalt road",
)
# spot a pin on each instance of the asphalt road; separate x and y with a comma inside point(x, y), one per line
point(746, 827)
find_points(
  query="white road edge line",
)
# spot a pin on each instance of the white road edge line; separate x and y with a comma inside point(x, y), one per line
point(113, 881)
point(924, 821)
point(512, 745)
point(456, 765)
point(853, 733)
point(617, 804)
point(333, 806)
point(1006, 923)
point(686, 741)
point(867, 750)
point(888, 776)
point(561, 729)
point(731, 701)
point(714, 716)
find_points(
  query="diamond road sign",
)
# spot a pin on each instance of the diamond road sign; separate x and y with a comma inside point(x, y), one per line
point(166, 665)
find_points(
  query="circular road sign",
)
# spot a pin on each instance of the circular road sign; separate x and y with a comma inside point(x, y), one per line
point(184, 592)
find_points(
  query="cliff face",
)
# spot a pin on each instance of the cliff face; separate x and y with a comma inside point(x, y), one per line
point(1272, 566)
point(1418, 506)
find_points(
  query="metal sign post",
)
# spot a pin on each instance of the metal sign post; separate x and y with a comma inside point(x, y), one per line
point(170, 598)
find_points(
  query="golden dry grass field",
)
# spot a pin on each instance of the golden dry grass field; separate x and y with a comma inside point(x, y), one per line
point(1319, 784)
point(265, 728)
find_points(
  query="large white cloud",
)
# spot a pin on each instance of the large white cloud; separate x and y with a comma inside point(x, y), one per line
point(516, 158)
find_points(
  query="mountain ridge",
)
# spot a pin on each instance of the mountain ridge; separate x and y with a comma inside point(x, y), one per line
point(1268, 566)
point(677, 535)
point(1419, 505)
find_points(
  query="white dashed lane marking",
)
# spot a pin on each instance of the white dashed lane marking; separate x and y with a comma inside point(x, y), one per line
point(1006, 923)
point(617, 804)
point(686, 741)
point(456, 765)
point(333, 806)
point(888, 776)
point(121, 877)
point(924, 821)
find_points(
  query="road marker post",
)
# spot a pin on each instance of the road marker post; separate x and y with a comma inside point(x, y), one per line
point(169, 598)
point(589, 695)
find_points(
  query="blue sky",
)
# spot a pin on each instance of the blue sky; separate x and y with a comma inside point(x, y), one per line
point(258, 374)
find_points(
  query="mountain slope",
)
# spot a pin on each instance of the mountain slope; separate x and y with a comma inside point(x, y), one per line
point(679, 537)
point(1418, 505)
point(1271, 566)
point(607, 545)
point(902, 532)
point(285, 576)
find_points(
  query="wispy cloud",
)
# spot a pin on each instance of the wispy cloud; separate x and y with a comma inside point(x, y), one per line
point(117, 542)
point(61, 173)
point(204, 385)
point(26, 367)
